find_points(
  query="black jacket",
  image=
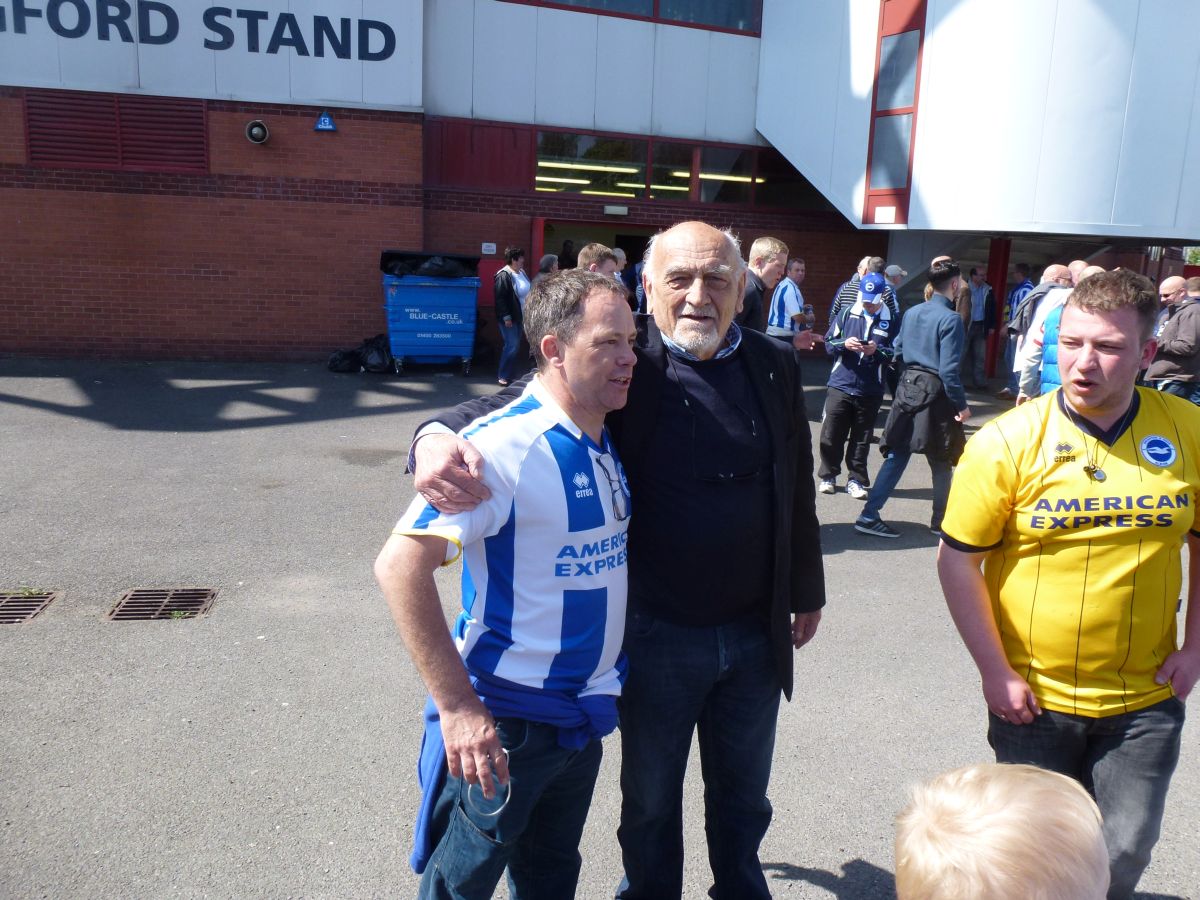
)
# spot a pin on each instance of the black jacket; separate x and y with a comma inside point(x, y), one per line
point(507, 302)
point(774, 373)
point(754, 313)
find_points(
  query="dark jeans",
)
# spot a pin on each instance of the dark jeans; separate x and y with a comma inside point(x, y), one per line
point(847, 415)
point(537, 833)
point(1125, 761)
point(889, 476)
point(508, 355)
point(722, 681)
point(975, 355)
point(1188, 390)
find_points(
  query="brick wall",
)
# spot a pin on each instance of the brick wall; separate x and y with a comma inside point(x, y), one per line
point(274, 255)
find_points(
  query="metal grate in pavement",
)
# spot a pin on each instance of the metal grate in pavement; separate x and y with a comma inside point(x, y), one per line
point(143, 604)
point(22, 606)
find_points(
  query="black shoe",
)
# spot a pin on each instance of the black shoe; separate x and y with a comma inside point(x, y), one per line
point(876, 527)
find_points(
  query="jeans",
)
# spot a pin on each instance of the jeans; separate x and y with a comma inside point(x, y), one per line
point(1188, 390)
point(721, 680)
point(975, 354)
point(1125, 761)
point(537, 833)
point(845, 415)
point(508, 354)
point(1010, 356)
point(889, 476)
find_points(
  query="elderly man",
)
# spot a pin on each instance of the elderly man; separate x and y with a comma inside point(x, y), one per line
point(535, 662)
point(1176, 365)
point(725, 573)
point(768, 259)
point(1077, 505)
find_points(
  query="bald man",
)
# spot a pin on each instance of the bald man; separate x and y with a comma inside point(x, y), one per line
point(1076, 267)
point(1176, 366)
point(1170, 292)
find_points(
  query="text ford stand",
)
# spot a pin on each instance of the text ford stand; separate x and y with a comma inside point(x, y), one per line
point(430, 305)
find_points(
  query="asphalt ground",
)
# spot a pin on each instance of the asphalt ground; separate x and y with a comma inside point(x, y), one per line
point(267, 749)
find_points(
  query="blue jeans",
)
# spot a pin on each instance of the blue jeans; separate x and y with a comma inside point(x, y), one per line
point(1125, 761)
point(508, 354)
point(537, 833)
point(722, 681)
point(889, 476)
point(1188, 390)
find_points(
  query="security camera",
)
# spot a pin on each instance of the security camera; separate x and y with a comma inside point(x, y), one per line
point(257, 132)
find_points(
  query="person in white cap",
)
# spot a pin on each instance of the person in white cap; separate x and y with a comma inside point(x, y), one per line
point(894, 275)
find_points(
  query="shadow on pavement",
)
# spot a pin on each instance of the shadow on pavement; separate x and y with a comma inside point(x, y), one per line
point(859, 880)
point(207, 397)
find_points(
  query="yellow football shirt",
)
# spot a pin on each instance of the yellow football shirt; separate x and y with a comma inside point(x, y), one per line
point(1084, 574)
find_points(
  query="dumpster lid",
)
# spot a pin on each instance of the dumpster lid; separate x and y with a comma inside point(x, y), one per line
point(433, 265)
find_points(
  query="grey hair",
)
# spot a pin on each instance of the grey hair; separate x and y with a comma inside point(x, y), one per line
point(732, 241)
point(555, 305)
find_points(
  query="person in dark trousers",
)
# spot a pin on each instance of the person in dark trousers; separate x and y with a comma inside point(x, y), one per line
point(725, 571)
point(930, 404)
point(510, 287)
point(860, 342)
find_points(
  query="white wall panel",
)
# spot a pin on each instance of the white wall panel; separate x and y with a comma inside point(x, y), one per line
point(985, 66)
point(732, 89)
point(624, 71)
point(397, 80)
point(504, 61)
point(565, 87)
point(1161, 89)
point(680, 78)
point(185, 67)
point(449, 57)
point(1187, 216)
point(1087, 95)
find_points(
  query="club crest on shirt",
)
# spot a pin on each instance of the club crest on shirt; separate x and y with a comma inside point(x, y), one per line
point(1158, 451)
point(1064, 452)
point(583, 485)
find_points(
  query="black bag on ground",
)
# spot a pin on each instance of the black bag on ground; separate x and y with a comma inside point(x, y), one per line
point(376, 354)
point(345, 361)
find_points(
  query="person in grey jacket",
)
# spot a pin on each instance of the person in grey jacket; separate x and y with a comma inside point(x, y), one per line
point(1176, 366)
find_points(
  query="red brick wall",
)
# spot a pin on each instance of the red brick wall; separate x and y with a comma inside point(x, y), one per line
point(274, 255)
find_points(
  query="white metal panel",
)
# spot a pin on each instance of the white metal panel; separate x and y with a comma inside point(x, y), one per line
point(1151, 172)
point(1187, 217)
point(1087, 96)
point(983, 65)
point(112, 62)
point(449, 57)
point(312, 80)
point(624, 68)
point(732, 88)
point(814, 91)
point(504, 61)
point(396, 81)
point(241, 74)
point(565, 85)
point(30, 58)
point(680, 76)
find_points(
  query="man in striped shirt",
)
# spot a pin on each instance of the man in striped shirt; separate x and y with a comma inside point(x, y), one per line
point(526, 687)
point(1077, 505)
point(788, 314)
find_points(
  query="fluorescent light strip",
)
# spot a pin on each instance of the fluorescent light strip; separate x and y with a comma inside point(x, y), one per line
point(562, 180)
point(608, 193)
point(588, 167)
point(713, 176)
point(549, 190)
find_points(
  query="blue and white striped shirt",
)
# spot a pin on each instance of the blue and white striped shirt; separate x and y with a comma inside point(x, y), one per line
point(786, 302)
point(544, 574)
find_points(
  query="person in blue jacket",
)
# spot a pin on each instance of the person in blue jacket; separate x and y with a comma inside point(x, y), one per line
point(860, 341)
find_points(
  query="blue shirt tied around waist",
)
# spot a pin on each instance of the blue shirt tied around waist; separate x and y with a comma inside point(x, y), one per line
point(578, 719)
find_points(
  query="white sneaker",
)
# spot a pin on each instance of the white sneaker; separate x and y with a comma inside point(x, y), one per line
point(827, 486)
point(856, 490)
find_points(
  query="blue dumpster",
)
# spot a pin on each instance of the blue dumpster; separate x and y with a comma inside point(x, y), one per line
point(429, 318)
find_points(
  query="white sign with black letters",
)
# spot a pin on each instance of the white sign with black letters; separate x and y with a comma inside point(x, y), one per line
point(344, 52)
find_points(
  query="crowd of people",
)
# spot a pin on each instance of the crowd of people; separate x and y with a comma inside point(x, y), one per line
point(1063, 526)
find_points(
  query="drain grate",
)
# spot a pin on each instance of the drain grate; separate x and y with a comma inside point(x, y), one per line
point(24, 605)
point(143, 604)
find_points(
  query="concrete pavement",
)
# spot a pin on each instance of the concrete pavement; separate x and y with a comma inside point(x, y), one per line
point(266, 750)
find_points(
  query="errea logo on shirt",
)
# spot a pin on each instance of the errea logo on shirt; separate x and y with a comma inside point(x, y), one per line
point(1064, 452)
point(583, 483)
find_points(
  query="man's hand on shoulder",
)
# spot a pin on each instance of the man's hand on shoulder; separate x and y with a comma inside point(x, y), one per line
point(1181, 670)
point(804, 627)
point(449, 473)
